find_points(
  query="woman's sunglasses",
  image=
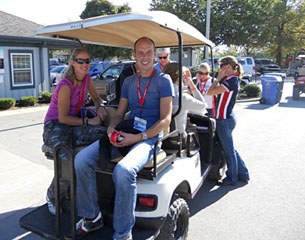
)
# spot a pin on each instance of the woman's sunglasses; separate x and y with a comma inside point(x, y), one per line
point(82, 60)
point(202, 73)
point(162, 57)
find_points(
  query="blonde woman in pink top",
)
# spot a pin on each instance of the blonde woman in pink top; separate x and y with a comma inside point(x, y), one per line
point(63, 116)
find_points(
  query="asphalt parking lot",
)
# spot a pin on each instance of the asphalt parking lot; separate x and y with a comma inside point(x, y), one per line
point(271, 206)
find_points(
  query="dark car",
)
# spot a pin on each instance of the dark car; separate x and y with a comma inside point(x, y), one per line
point(108, 84)
point(264, 65)
point(97, 67)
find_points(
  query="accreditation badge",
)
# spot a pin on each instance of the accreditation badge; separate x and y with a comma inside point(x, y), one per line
point(139, 124)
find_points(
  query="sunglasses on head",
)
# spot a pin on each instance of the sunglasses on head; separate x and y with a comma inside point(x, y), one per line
point(161, 57)
point(202, 73)
point(82, 60)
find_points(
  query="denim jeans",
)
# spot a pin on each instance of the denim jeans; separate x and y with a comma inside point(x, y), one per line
point(236, 166)
point(124, 177)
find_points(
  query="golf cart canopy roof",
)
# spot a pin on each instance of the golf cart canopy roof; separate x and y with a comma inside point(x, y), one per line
point(122, 30)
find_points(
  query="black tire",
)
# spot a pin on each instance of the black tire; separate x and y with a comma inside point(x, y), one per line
point(295, 93)
point(177, 221)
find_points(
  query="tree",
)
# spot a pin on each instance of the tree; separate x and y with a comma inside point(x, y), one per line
point(274, 26)
point(191, 11)
point(239, 22)
point(103, 7)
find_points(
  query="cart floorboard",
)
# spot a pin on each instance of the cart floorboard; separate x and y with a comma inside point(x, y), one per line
point(41, 222)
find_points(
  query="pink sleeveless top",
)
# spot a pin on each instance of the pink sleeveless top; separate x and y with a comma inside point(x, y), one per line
point(75, 96)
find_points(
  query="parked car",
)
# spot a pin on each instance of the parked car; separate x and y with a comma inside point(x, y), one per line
point(97, 67)
point(59, 75)
point(53, 62)
point(264, 65)
point(54, 72)
point(108, 84)
point(248, 66)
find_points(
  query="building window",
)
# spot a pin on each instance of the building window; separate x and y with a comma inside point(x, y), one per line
point(21, 65)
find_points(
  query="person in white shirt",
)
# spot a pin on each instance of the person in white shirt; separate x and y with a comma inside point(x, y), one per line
point(203, 83)
point(192, 101)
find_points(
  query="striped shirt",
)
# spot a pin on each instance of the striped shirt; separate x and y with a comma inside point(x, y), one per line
point(226, 100)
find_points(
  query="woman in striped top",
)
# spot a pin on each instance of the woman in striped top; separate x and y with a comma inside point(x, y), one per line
point(226, 89)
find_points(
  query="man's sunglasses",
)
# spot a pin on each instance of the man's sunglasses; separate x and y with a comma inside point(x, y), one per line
point(162, 57)
point(202, 73)
point(82, 60)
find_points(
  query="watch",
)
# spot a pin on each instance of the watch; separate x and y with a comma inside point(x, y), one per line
point(144, 136)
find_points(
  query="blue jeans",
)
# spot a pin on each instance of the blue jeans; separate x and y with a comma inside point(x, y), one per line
point(236, 166)
point(124, 177)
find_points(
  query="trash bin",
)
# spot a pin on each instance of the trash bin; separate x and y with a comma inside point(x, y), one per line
point(272, 88)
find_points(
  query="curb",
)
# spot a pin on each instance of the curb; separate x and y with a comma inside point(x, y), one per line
point(16, 111)
point(248, 100)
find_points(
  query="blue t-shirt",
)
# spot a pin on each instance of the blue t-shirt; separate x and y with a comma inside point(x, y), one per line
point(226, 100)
point(160, 86)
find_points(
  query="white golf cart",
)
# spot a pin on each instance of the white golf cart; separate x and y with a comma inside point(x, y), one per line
point(174, 174)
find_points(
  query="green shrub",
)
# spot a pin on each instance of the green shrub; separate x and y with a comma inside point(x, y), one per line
point(252, 90)
point(6, 103)
point(45, 97)
point(27, 101)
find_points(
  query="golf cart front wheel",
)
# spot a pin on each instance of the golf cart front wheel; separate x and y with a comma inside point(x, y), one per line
point(177, 221)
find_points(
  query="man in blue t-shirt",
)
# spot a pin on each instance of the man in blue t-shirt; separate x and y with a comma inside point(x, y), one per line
point(148, 96)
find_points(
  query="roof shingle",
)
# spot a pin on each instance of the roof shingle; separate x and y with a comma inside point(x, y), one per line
point(16, 26)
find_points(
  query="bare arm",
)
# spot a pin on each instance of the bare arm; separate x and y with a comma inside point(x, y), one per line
point(165, 118)
point(216, 88)
point(162, 124)
point(64, 108)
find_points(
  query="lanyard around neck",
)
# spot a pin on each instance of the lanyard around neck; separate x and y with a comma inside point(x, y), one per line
point(140, 97)
point(201, 88)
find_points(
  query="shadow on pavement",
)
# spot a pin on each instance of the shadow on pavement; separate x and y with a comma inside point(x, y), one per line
point(209, 193)
point(259, 106)
point(10, 229)
point(293, 103)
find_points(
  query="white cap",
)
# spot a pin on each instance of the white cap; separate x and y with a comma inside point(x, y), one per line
point(163, 50)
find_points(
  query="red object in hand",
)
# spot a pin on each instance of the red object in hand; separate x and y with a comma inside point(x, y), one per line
point(116, 137)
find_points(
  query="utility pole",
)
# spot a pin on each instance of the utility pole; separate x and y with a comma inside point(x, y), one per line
point(207, 28)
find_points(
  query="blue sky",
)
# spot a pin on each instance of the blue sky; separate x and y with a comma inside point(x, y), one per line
point(58, 11)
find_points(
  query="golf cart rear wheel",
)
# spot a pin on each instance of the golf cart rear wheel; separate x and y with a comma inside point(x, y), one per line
point(177, 221)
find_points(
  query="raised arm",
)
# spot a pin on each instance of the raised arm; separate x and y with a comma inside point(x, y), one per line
point(165, 117)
